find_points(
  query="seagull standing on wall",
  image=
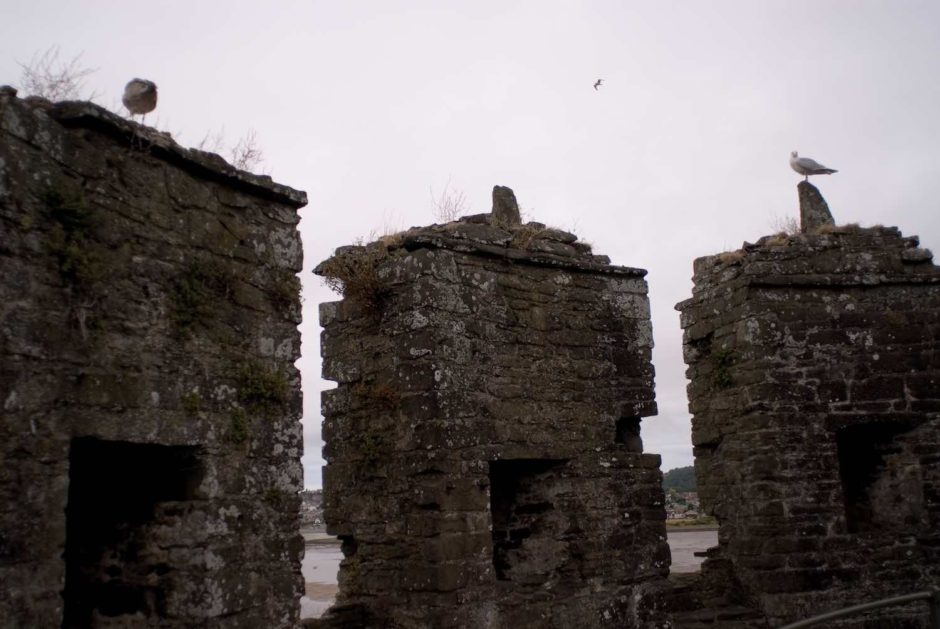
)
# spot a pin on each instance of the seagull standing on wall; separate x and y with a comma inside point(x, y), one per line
point(140, 97)
point(597, 84)
point(806, 166)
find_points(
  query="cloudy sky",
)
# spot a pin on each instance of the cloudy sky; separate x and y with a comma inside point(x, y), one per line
point(369, 106)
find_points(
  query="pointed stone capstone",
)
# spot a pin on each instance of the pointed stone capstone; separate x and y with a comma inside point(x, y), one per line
point(814, 211)
point(505, 209)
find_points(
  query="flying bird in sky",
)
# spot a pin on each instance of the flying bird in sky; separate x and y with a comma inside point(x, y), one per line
point(140, 97)
point(806, 166)
point(597, 84)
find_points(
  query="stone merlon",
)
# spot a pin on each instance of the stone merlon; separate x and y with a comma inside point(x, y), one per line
point(86, 115)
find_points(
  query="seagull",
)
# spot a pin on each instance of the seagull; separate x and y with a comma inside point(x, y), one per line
point(140, 97)
point(806, 166)
point(598, 83)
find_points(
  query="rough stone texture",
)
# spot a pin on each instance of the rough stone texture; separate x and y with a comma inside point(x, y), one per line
point(814, 369)
point(505, 208)
point(484, 462)
point(150, 440)
point(814, 211)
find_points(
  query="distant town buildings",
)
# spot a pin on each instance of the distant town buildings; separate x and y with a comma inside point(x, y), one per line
point(311, 507)
point(682, 505)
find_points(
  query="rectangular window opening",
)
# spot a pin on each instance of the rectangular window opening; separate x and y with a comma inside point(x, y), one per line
point(521, 504)
point(881, 482)
point(114, 488)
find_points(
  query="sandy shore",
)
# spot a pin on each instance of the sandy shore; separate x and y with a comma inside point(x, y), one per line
point(321, 591)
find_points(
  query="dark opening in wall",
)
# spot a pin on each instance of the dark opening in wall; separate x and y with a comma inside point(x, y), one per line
point(882, 483)
point(628, 433)
point(526, 528)
point(114, 488)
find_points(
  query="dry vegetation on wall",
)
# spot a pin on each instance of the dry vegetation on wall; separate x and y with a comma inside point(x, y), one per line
point(355, 276)
point(47, 76)
point(246, 154)
point(449, 205)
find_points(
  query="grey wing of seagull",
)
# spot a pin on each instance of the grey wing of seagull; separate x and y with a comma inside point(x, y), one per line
point(809, 164)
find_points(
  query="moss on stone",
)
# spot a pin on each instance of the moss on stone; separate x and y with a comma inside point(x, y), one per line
point(724, 359)
point(285, 290)
point(238, 426)
point(261, 389)
point(276, 497)
point(192, 403)
point(71, 239)
point(199, 292)
point(373, 443)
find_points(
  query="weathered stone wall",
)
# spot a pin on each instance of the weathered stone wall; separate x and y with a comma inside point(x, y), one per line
point(484, 462)
point(814, 369)
point(150, 436)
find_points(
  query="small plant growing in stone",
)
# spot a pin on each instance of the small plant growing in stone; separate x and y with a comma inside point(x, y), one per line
point(351, 568)
point(198, 293)
point(71, 239)
point(238, 426)
point(245, 155)
point(730, 257)
point(373, 443)
point(276, 497)
point(46, 76)
point(724, 359)
point(261, 389)
point(449, 205)
point(191, 402)
point(786, 225)
point(777, 240)
point(355, 276)
point(848, 228)
point(524, 235)
point(285, 290)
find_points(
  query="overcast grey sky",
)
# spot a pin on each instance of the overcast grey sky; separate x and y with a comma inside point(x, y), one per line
point(681, 153)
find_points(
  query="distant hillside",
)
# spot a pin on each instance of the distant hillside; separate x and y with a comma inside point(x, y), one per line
point(680, 479)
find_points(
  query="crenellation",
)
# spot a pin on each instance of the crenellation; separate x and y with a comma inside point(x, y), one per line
point(148, 341)
point(496, 490)
point(811, 362)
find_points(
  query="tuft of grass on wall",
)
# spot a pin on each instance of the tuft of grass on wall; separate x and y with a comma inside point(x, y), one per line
point(724, 359)
point(71, 239)
point(238, 426)
point(261, 389)
point(355, 276)
point(285, 290)
point(192, 403)
point(199, 292)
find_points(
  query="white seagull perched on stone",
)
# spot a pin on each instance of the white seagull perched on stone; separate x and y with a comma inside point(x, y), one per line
point(806, 166)
point(597, 84)
point(140, 96)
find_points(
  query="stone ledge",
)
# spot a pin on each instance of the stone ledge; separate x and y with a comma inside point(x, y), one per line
point(87, 115)
point(422, 240)
point(837, 281)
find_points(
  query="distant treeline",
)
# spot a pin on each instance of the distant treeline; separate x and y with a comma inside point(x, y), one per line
point(680, 479)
